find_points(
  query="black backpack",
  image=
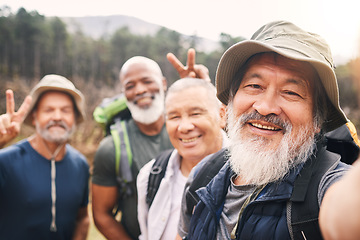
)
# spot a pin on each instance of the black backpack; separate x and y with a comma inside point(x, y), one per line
point(210, 168)
point(158, 170)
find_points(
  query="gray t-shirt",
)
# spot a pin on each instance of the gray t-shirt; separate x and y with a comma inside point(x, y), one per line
point(235, 199)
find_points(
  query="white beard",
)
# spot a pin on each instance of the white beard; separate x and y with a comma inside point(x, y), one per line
point(254, 162)
point(152, 113)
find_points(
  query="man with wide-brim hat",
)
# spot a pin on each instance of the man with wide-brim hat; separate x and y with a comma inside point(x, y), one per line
point(57, 83)
point(282, 96)
point(44, 181)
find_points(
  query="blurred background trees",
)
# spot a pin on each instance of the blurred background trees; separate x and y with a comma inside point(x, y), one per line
point(32, 46)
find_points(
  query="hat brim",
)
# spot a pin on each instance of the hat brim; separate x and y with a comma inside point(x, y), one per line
point(237, 55)
point(76, 94)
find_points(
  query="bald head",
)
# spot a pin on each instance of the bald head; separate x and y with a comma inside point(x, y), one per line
point(140, 62)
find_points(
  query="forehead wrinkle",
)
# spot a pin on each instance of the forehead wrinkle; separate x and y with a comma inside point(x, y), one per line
point(191, 109)
point(198, 108)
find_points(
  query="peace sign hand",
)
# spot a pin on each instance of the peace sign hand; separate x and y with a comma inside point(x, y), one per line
point(191, 69)
point(10, 122)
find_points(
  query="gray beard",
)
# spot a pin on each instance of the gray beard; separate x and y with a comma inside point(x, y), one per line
point(255, 162)
point(54, 137)
point(150, 114)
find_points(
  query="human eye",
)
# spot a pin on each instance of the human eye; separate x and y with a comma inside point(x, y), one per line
point(148, 81)
point(47, 110)
point(293, 94)
point(253, 86)
point(252, 83)
point(172, 117)
point(67, 110)
point(295, 91)
point(195, 114)
point(129, 86)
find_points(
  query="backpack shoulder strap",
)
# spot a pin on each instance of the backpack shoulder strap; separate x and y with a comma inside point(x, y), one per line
point(303, 205)
point(156, 174)
point(204, 176)
point(123, 155)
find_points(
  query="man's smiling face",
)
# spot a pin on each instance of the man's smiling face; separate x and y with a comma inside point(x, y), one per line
point(275, 91)
point(193, 123)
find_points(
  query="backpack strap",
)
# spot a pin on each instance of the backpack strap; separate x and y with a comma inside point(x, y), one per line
point(123, 157)
point(303, 206)
point(204, 176)
point(157, 173)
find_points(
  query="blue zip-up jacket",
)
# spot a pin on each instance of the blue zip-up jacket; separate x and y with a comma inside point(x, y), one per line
point(264, 218)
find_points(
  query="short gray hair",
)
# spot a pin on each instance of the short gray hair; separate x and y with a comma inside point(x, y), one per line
point(186, 83)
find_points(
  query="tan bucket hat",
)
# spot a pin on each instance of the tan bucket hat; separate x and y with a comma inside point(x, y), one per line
point(59, 83)
point(292, 42)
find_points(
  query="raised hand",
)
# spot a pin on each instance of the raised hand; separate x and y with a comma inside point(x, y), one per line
point(10, 122)
point(191, 69)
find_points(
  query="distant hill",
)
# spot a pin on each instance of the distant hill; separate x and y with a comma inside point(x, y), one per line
point(104, 26)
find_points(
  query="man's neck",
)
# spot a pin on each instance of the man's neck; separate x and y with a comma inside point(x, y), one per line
point(151, 129)
point(46, 148)
point(187, 165)
point(239, 181)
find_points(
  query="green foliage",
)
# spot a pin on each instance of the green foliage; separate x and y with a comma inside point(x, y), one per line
point(226, 40)
point(32, 46)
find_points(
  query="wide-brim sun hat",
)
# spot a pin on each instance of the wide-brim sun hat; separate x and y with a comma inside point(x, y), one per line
point(292, 42)
point(53, 82)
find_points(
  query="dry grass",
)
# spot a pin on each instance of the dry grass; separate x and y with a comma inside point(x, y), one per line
point(93, 234)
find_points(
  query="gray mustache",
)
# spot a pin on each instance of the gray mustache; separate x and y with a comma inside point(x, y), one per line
point(271, 118)
point(60, 123)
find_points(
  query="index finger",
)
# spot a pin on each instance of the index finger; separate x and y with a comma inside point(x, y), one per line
point(10, 103)
point(191, 59)
point(175, 62)
point(25, 107)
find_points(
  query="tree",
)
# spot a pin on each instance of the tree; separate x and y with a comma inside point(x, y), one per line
point(226, 40)
point(6, 40)
point(59, 45)
point(27, 27)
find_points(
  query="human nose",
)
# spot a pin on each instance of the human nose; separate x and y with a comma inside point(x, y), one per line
point(140, 89)
point(185, 125)
point(57, 114)
point(268, 103)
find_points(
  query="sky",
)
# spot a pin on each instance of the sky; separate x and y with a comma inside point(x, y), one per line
point(338, 21)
